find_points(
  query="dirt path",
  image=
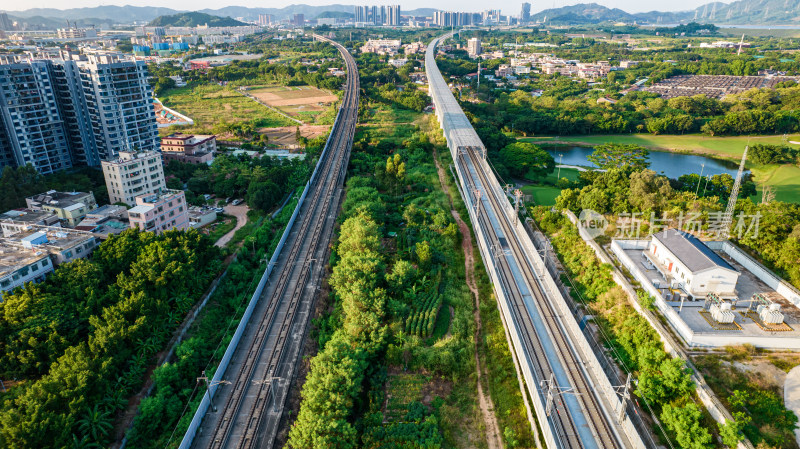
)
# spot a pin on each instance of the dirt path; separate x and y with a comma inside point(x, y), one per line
point(493, 437)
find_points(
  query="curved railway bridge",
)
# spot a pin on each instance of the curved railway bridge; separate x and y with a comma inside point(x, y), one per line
point(575, 404)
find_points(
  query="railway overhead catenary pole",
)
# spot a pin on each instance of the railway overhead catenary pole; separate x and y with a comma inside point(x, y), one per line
point(575, 404)
point(252, 382)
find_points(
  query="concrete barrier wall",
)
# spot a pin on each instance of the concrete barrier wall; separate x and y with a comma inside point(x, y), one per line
point(766, 275)
point(229, 351)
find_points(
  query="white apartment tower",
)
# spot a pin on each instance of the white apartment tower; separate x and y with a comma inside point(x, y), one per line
point(474, 47)
point(61, 110)
point(120, 101)
point(133, 174)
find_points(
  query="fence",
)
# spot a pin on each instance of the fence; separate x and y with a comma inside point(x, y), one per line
point(707, 396)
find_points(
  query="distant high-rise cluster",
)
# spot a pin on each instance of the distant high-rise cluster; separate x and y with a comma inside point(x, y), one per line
point(265, 19)
point(56, 113)
point(525, 14)
point(299, 20)
point(450, 18)
point(378, 15)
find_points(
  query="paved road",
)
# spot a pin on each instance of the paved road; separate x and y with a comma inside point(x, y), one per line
point(240, 212)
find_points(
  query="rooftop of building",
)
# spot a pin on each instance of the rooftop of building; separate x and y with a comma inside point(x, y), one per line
point(26, 215)
point(109, 210)
point(153, 198)
point(125, 157)
point(14, 257)
point(65, 200)
point(190, 139)
point(691, 251)
point(56, 238)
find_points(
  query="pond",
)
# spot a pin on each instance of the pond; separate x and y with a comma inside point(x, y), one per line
point(665, 163)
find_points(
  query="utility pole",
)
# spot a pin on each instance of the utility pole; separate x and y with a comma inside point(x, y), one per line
point(702, 167)
point(560, 158)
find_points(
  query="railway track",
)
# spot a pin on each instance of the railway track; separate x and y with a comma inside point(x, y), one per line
point(573, 399)
point(253, 403)
point(581, 390)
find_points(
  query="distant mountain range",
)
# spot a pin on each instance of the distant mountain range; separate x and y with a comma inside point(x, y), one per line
point(107, 15)
point(592, 13)
point(740, 12)
point(192, 19)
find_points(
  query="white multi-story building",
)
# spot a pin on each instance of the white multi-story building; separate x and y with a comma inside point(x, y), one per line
point(133, 174)
point(474, 47)
point(159, 212)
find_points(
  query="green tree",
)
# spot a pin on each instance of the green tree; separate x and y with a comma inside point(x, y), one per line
point(685, 423)
point(520, 158)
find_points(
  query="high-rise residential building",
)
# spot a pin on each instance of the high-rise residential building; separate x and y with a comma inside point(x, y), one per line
point(133, 174)
point(394, 15)
point(525, 13)
point(265, 19)
point(160, 211)
point(5, 22)
point(64, 110)
point(474, 47)
point(361, 14)
point(31, 121)
point(120, 102)
point(299, 20)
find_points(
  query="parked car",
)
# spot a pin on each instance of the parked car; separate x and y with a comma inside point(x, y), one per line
point(219, 210)
point(237, 202)
point(228, 200)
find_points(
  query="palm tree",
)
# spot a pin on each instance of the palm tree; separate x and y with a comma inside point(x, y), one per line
point(83, 443)
point(96, 423)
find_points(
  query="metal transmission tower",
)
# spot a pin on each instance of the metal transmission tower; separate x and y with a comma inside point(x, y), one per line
point(727, 219)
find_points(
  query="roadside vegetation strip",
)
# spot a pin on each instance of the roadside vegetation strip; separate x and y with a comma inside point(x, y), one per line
point(663, 383)
point(513, 419)
point(165, 415)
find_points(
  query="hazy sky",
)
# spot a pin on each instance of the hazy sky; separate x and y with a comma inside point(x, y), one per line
point(508, 6)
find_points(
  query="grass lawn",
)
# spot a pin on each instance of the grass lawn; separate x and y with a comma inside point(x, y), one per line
point(211, 104)
point(542, 195)
point(785, 179)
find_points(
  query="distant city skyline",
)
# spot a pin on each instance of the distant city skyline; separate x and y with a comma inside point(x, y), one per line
point(508, 7)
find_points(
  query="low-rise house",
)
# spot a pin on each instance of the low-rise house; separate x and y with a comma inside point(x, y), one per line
point(19, 266)
point(70, 207)
point(159, 212)
point(105, 221)
point(687, 263)
point(201, 216)
point(192, 149)
point(29, 255)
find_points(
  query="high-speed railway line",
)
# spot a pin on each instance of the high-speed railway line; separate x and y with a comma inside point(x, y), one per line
point(246, 403)
point(574, 402)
